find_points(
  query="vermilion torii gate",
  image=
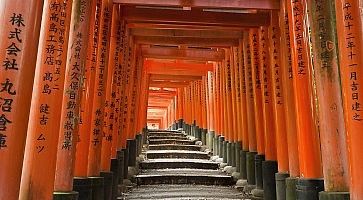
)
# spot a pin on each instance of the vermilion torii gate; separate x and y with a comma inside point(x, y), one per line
point(271, 86)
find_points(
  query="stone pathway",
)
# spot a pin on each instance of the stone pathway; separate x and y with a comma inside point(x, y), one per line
point(176, 168)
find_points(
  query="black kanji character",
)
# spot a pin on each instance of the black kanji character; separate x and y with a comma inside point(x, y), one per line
point(15, 34)
point(46, 89)
point(44, 108)
point(10, 64)
point(12, 49)
point(2, 141)
point(3, 122)
point(71, 105)
point(43, 120)
point(7, 86)
point(70, 115)
point(68, 126)
point(67, 144)
point(17, 20)
point(95, 141)
point(48, 76)
point(6, 105)
point(357, 117)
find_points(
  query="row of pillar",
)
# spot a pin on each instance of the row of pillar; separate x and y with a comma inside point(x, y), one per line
point(73, 100)
point(284, 107)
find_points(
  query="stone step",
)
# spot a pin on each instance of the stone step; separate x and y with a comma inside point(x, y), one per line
point(167, 134)
point(175, 147)
point(178, 192)
point(183, 176)
point(176, 137)
point(154, 154)
point(164, 131)
point(178, 163)
point(171, 141)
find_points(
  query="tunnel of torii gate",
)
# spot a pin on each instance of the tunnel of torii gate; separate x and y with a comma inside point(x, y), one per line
point(271, 86)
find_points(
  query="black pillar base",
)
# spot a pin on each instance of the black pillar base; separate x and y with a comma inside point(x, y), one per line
point(180, 123)
point(198, 133)
point(204, 136)
point(250, 167)
point(97, 188)
point(237, 156)
point(144, 135)
point(107, 184)
point(192, 130)
point(126, 163)
point(131, 145)
point(291, 188)
point(281, 185)
point(216, 145)
point(83, 186)
point(269, 169)
point(210, 140)
point(186, 128)
point(334, 196)
point(243, 164)
point(308, 189)
point(233, 154)
point(259, 158)
point(115, 169)
point(225, 151)
point(174, 126)
point(138, 144)
point(229, 154)
point(220, 145)
point(65, 195)
point(121, 160)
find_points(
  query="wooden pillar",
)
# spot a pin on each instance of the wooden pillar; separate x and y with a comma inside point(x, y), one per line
point(233, 103)
point(350, 41)
point(136, 93)
point(327, 79)
point(192, 103)
point(132, 90)
point(256, 80)
point(277, 94)
point(142, 101)
point(45, 112)
point(288, 96)
point(243, 93)
point(266, 88)
point(125, 78)
point(224, 107)
point(217, 100)
point(199, 104)
point(117, 83)
point(250, 96)
point(238, 93)
point(75, 67)
point(252, 143)
point(222, 96)
point(20, 25)
point(207, 97)
point(110, 92)
point(87, 93)
point(309, 143)
point(94, 157)
point(211, 101)
point(269, 166)
point(204, 103)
